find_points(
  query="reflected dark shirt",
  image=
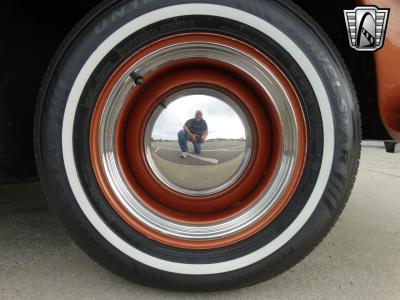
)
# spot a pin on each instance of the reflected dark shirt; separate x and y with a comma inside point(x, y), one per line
point(197, 127)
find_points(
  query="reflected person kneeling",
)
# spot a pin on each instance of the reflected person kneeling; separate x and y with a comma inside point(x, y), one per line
point(194, 130)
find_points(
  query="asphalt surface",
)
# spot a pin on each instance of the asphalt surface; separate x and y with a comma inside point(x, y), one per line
point(220, 151)
point(217, 163)
point(360, 258)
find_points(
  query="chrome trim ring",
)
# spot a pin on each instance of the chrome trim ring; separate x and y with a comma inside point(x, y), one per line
point(222, 53)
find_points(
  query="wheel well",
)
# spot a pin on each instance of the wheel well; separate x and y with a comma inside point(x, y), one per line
point(31, 32)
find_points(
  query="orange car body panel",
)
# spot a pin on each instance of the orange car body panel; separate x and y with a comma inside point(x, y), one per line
point(387, 61)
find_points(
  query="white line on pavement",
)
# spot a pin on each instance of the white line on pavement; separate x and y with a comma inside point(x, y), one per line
point(213, 150)
point(210, 160)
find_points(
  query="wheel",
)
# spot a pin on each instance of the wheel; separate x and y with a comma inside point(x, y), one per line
point(390, 147)
point(230, 220)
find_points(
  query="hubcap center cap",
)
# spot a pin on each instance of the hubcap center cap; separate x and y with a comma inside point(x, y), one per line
point(198, 156)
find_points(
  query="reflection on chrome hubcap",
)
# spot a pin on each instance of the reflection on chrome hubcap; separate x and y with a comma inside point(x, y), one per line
point(287, 159)
point(211, 165)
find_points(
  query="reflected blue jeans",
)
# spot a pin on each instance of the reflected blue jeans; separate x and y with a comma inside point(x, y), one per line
point(183, 139)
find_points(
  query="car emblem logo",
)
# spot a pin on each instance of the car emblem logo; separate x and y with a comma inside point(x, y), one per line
point(366, 27)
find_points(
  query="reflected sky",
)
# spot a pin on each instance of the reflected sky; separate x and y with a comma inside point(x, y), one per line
point(222, 120)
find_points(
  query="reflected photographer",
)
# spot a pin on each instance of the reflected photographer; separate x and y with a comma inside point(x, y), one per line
point(194, 130)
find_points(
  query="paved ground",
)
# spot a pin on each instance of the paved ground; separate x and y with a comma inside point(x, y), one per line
point(219, 151)
point(217, 163)
point(360, 258)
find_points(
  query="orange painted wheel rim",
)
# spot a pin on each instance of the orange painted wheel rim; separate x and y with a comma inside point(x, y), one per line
point(171, 205)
